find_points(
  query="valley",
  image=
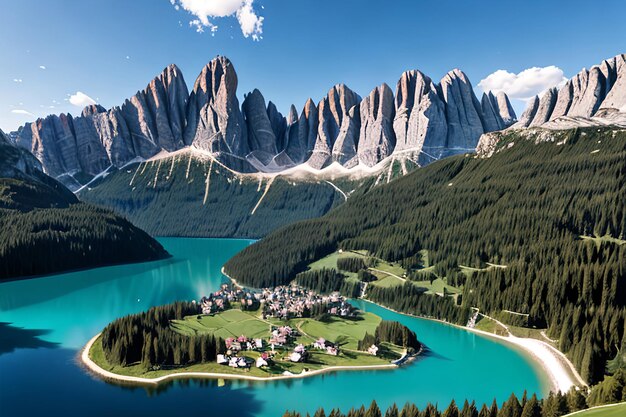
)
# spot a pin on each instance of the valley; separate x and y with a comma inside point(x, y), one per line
point(312, 209)
point(190, 193)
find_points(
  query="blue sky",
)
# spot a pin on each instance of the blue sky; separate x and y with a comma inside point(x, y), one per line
point(110, 49)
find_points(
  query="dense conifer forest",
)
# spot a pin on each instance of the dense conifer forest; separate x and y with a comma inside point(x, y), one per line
point(45, 229)
point(327, 280)
point(555, 405)
point(188, 195)
point(391, 332)
point(412, 299)
point(542, 221)
point(147, 338)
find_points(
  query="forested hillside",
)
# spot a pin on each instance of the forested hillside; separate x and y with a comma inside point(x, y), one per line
point(548, 208)
point(189, 194)
point(45, 229)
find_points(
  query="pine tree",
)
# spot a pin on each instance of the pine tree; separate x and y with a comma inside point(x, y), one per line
point(373, 410)
point(484, 411)
point(493, 411)
point(452, 410)
point(392, 411)
point(532, 408)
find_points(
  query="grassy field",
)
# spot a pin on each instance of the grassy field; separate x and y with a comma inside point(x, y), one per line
point(386, 281)
point(350, 331)
point(388, 272)
point(234, 323)
point(231, 323)
point(490, 326)
point(611, 411)
point(437, 286)
point(487, 325)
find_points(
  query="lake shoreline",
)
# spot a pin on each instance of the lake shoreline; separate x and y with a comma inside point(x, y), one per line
point(561, 373)
point(111, 376)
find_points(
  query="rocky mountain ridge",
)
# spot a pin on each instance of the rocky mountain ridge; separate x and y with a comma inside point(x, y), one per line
point(592, 97)
point(422, 121)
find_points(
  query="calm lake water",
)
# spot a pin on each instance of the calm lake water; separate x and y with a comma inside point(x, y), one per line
point(45, 322)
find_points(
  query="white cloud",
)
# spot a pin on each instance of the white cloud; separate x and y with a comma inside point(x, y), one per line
point(524, 85)
point(17, 80)
point(80, 99)
point(22, 112)
point(206, 11)
point(43, 67)
point(251, 24)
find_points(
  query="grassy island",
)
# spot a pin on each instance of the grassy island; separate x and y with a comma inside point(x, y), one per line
point(284, 332)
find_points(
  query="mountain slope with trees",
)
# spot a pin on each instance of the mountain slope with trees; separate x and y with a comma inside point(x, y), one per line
point(45, 229)
point(192, 194)
point(548, 207)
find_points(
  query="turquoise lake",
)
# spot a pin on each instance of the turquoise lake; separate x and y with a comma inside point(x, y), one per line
point(44, 322)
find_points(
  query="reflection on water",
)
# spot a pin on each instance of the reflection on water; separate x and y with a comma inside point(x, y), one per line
point(75, 306)
point(12, 338)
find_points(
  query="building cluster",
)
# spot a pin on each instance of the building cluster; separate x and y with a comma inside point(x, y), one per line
point(329, 347)
point(221, 300)
point(283, 302)
point(286, 302)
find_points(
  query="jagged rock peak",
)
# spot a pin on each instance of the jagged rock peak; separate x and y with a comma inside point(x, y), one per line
point(377, 138)
point(156, 115)
point(463, 111)
point(529, 113)
point(339, 100)
point(411, 87)
point(214, 120)
point(491, 114)
point(262, 139)
point(589, 91)
point(332, 113)
point(420, 118)
point(279, 125)
point(596, 92)
point(505, 109)
point(292, 117)
point(303, 133)
point(218, 75)
point(4, 138)
point(616, 85)
point(545, 107)
point(92, 109)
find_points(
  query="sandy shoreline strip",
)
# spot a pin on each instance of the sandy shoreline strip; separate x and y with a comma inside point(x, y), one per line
point(107, 375)
point(556, 366)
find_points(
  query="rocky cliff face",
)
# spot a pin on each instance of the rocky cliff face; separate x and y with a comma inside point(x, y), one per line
point(591, 94)
point(156, 116)
point(214, 120)
point(377, 138)
point(152, 120)
point(463, 112)
point(17, 163)
point(423, 118)
point(545, 107)
point(420, 123)
point(334, 118)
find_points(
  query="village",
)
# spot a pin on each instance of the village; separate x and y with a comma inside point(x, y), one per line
point(282, 303)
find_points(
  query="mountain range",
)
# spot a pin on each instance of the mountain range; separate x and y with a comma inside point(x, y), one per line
point(423, 121)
